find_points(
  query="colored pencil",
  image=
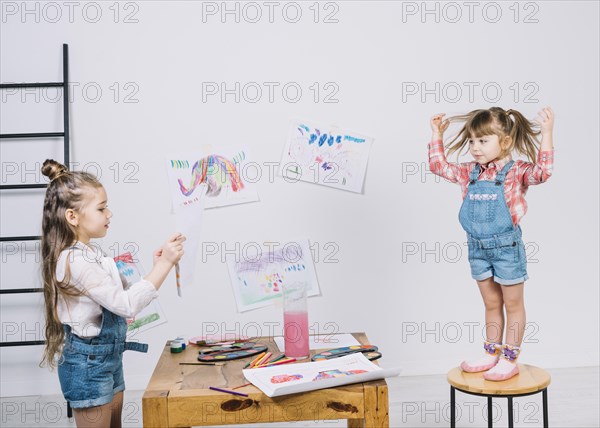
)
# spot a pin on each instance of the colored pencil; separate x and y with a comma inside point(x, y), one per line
point(241, 394)
point(263, 359)
point(289, 360)
point(241, 386)
point(280, 357)
point(251, 363)
point(197, 364)
point(178, 279)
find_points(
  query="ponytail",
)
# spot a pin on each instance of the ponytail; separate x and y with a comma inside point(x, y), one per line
point(523, 136)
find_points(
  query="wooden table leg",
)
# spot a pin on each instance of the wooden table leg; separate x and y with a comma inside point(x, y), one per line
point(356, 423)
point(154, 409)
point(376, 407)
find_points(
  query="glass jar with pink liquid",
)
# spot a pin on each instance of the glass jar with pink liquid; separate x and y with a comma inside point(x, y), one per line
point(295, 320)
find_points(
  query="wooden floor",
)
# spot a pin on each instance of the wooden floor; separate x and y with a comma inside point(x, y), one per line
point(419, 401)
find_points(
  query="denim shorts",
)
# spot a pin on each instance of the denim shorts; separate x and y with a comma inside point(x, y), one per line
point(89, 380)
point(502, 257)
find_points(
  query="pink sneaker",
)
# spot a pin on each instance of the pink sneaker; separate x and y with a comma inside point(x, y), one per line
point(489, 360)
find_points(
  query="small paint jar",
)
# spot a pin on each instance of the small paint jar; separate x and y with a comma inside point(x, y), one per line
point(182, 340)
point(176, 346)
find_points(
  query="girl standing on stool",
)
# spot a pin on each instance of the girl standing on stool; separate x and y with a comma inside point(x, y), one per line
point(493, 190)
point(86, 304)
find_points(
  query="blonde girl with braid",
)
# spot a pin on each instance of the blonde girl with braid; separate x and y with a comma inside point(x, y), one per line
point(86, 304)
point(493, 189)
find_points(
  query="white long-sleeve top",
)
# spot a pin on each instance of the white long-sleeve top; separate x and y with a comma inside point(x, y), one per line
point(97, 277)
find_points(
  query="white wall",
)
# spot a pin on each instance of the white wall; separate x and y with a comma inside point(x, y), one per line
point(416, 307)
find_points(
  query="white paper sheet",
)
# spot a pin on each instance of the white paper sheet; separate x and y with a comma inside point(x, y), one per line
point(130, 272)
point(223, 172)
point(326, 155)
point(257, 279)
point(293, 378)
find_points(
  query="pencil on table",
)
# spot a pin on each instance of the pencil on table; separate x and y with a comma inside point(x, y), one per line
point(199, 364)
point(241, 394)
point(279, 357)
point(263, 359)
point(251, 363)
point(287, 360)
point(241, 386)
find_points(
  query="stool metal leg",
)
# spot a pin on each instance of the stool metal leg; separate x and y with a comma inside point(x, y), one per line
point(452, 407)
point(545, 406)
point(490, 413)
point(510, 412)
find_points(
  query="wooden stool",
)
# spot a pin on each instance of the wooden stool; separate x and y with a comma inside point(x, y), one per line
point(530, 380)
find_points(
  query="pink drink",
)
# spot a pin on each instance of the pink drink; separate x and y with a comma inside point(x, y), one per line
point(295, 333)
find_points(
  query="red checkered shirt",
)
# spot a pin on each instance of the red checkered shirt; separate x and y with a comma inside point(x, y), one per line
point(519, 178)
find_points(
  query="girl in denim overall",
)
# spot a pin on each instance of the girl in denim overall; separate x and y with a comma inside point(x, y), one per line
point(86, 304)
point(494, 188)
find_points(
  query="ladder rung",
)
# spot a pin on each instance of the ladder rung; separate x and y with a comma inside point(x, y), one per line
point(33, 342)
point(21, 290)
point(23, 186)
point(32, 85)
point(19, 238)
point(34, 135)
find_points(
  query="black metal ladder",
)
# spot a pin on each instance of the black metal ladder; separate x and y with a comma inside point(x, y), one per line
point(65, 135)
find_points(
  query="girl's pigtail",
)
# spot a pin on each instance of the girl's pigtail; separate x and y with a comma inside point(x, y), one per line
point(523, 135)
point(459, 142)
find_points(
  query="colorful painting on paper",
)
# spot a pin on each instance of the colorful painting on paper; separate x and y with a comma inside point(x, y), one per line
point(257, 277)
point(326, 155)
point(223, 174)
point(152, 315)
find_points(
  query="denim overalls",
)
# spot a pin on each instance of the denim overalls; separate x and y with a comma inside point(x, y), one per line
point(91, 369)
point(495, 244)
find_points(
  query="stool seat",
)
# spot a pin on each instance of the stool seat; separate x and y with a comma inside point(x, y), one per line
point(530, 379)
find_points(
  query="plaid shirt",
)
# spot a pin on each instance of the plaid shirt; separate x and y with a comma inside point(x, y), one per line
point(519, 178)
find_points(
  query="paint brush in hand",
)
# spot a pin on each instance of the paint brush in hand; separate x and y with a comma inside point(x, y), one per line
point(177, 272)
point(178, 279)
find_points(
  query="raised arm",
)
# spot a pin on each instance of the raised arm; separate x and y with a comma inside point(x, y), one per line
point(438, 164)
point(540, 172)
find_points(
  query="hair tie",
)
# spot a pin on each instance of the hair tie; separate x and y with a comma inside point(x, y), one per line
point(509, 111)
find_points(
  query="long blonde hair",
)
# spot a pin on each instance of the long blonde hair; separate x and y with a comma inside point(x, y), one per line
point(497, 121)
point(65, 191)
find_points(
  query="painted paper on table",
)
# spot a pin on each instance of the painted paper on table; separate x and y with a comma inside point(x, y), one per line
point(222, 172)
point(257, 277)
point(152, 315)
point(301, 377)
point(326, 155)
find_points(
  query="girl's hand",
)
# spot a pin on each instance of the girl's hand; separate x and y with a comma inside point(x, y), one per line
point(156, 255)
point(545, 119)
point(438, 125)
point(172, 250)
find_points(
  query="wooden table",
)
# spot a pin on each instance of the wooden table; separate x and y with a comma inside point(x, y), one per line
point(178, 396)
point(530, 380)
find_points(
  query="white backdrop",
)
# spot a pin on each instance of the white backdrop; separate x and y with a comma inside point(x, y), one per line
point(391, 262)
